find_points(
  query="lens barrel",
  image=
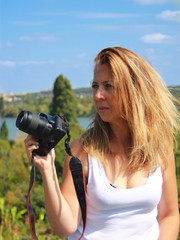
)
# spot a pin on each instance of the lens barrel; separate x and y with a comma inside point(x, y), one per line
point(33, 124)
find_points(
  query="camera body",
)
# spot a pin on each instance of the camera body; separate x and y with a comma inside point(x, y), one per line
point(48, 130)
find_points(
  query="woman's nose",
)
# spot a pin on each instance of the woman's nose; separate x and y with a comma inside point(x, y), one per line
point(100, 94)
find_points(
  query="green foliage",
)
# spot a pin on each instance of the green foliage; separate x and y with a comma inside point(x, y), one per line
point(35, 102)
point(175, 91)
point(37, 199)
point(4, 156)
point(64, 101)
point(1, 104)
point(14, 178)
point(177, 159)
point(4, 149)
point(83, 91)
point(84, 106)
point(14, 224)
point(4, 132)
point(14, 173)
point(11, 111)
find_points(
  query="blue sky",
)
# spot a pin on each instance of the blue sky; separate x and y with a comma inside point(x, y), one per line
point(41, 39)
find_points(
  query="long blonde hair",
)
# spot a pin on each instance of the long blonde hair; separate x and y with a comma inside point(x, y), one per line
point(147, 106)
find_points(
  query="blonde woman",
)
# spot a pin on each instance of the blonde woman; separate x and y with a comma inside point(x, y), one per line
point(127, 157)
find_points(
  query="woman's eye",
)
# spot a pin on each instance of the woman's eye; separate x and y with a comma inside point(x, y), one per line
point(94, 86)
point(109, 85)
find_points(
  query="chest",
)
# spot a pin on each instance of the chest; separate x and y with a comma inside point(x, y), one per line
point(115, 170)
point(136, 191)
point(122, 180)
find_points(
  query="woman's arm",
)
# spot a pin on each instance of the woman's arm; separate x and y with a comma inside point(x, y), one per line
point(62, 206)
point(168, 212)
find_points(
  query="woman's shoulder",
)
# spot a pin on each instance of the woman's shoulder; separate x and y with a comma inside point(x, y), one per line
point(78, 150)
point(77, 147)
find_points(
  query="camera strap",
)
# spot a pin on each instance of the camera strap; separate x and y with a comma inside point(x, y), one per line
point(29, 207)
point(76, 168)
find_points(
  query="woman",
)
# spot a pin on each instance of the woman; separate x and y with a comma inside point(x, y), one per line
point(127, 157)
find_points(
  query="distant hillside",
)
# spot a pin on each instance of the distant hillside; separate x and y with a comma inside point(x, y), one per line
point(175, 90)
point(49, 93)
point(83, 91)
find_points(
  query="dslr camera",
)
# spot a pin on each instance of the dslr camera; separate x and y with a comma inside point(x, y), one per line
point(48, 130)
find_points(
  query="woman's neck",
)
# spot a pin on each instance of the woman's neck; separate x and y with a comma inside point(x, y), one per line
point(120, 135)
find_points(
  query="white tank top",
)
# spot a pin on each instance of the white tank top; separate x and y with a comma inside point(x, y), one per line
point(120, 214)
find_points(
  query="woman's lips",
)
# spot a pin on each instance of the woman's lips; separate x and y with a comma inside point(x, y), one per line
point(102, 109)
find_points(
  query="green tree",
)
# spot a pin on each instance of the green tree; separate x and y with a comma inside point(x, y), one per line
point(64, 101)
point(1, 105)
point(4, 132)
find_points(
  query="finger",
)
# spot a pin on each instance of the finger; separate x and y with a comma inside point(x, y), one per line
point(30, 140)
point(30, 137)
point(30, 149)
point(53, 153)
point(30, 144)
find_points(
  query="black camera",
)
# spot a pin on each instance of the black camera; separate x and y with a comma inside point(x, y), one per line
point(48, 130)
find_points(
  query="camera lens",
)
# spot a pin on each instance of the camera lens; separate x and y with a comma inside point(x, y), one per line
point(21, 120)
point(33, 124)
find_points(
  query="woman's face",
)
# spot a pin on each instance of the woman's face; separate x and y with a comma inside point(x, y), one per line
point(103, 94)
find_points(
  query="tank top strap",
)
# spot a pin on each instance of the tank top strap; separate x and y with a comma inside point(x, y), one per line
point(96, 169)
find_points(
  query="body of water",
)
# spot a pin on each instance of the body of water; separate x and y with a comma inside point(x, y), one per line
point(15, 133)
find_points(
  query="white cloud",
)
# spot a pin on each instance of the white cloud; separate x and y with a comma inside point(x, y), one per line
point(156, 38)
point(26, 38)
point(148, 2)
point(170, 15)
point(150, 51)
point(9, 44)
point(38, 37)
point(7, 63)
point(25, 63)
point(123, 27)
point(81, 56)
point(51, 62)
point(150, 54)
point(91, 15)
point(105, 15)
point(26, 24)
